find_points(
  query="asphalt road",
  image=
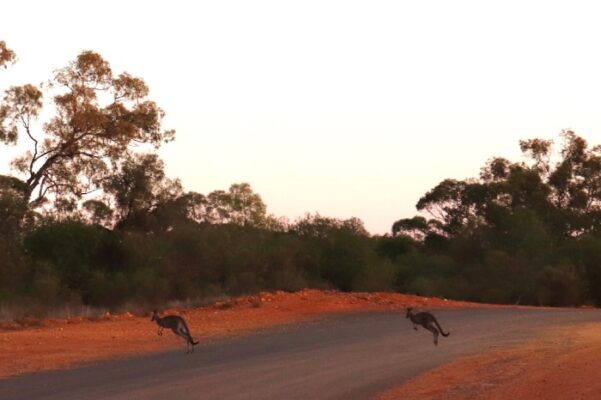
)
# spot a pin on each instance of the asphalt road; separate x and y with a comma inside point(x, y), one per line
point(344, 357)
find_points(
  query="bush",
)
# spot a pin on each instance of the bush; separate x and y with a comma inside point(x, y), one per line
point(588, 251)
point(564, 286)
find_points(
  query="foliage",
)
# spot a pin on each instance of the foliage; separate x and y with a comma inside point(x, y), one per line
point(97, 117)
point(6, 54)
point(521, 232)
point(509, 236)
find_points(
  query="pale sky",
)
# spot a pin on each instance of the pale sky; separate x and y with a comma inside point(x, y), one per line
point(346, 108)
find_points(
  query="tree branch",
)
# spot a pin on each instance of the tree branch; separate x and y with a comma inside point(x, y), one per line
point(25, 123)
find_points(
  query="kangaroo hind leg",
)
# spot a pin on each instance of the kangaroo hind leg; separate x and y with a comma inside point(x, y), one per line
point(434, 333)
point(180, 332)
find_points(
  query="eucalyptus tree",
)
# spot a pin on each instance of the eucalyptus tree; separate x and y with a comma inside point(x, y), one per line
point(6, 54)
point(239, 205)
point(95, 118)
point(138, 188)
point(561, 187)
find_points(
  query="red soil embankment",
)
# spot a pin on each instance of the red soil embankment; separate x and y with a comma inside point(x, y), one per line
point(63, 343)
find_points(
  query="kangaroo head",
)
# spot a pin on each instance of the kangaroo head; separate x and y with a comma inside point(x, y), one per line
point(409, 311)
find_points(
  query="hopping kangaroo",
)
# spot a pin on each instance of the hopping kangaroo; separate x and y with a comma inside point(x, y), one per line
point(427, 320)
point(178, 325)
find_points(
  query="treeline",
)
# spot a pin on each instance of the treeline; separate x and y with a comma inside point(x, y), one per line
point(522, 232)
point(72, 261)
point(86, 220)
point(89, 216)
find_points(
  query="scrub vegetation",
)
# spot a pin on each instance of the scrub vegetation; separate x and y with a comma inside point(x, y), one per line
point(89, 218)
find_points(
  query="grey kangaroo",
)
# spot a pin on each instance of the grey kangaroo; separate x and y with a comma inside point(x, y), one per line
point(178, 325)
point(427, 320)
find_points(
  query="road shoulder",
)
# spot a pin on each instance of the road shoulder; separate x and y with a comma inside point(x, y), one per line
point(561, 364)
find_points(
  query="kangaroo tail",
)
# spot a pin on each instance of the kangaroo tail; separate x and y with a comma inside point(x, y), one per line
point(440, 329)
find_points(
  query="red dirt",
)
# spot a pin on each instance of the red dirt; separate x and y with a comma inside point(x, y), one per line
point(62, 343)
point(562, 365)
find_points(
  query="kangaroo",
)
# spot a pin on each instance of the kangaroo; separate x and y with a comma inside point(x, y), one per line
point(427, 320)
point(178, 325)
